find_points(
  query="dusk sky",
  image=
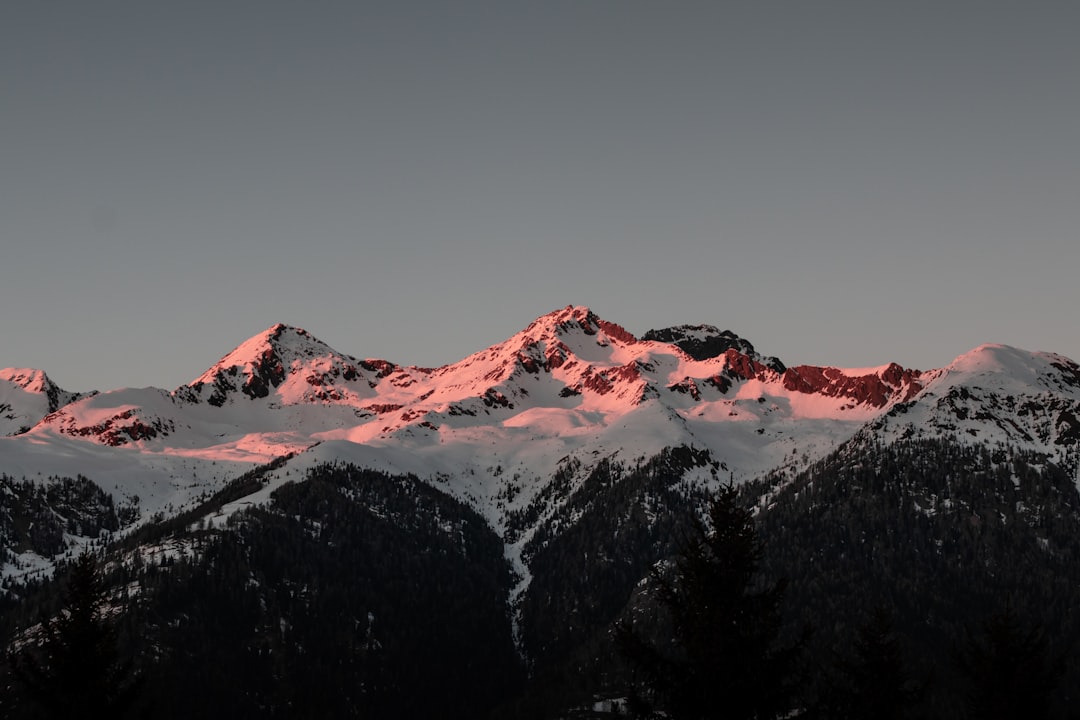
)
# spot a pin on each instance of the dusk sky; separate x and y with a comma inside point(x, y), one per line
point(846, 183)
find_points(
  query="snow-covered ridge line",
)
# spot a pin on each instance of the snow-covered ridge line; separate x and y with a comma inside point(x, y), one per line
point(495, 426)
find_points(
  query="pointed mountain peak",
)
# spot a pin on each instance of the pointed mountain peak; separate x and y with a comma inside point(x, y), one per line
point(285, 343)
point(28, 379)
point(276, 337)
point(26, 396)
point(264, 361)
point(36, 382)
point(578, 319)
point(550, 339)
point(573, 338)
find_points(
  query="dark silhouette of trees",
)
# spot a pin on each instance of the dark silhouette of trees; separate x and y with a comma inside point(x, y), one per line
point(355, 594)
point(75, 671)
point(872, 679)
point(726, 653)
point(1009, 668)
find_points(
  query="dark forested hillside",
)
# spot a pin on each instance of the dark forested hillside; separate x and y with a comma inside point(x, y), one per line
point(357, 594)
point(353, 594)
point(941, 536)
point(587, 559)
point(35, 515)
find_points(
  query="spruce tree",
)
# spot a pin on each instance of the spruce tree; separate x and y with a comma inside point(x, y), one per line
point(74, 671)
point(1010, 670)
point(872, 680)
point(725, 657)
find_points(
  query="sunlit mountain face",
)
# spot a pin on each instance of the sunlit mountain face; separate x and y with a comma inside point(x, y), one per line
point(493, 429)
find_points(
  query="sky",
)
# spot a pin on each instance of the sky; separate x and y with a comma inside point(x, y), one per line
point(841, 183)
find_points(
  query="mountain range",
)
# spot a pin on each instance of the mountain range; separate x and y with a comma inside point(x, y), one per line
point(527, 492)
point(571, 388)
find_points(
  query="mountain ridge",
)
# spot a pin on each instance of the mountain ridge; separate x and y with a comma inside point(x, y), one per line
point(495, 427)
point(538, 483)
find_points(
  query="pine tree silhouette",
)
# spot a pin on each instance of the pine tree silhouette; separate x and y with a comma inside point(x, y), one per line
point(872, 680)
point(75, 671)
point(1009, 669)
point(726, 655)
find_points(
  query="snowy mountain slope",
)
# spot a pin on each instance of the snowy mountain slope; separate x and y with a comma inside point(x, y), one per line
point(26, 396)
point(495, 428)
point(996, 395)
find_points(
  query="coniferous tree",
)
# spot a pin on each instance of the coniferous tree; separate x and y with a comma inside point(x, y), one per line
point(1010, 670)
point(872, 681)
point(726, 654)
point(75, 670)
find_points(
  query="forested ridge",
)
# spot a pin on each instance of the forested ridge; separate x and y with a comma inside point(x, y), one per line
point(942, 535)
point(358, 594)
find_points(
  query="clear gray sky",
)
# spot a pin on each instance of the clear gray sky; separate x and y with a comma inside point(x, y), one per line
point(846, 183)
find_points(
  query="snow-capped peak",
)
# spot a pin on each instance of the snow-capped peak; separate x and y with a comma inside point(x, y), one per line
point(573, 320)
point(996, 394)
point(29, 379)
point(267, 352)
point(1021, 368)
point(571, 337)
point(274, 359)
point(26, 396)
